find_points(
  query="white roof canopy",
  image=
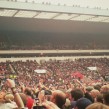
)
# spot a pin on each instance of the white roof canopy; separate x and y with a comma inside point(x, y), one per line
point(103, 4)
point(56, 9)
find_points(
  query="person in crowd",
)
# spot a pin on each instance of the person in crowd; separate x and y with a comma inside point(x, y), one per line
point(59, 98)
point(82, 103)
point(57, 78)
point(30, 100)
point(75, 95)
point(104, 89)
point(24, 99)
point(97, 105)
point(8, 100)
point(50, 105)
point(106, 98)
point(100, 98)
point(94, 93)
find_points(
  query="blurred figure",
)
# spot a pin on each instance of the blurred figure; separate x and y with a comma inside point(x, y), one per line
point(106, 98)
point(82, 103)
point(75, 95)
point(94, 93)
point(30, 100)
point(59, 98)
point(6, 101)
point(97, 106)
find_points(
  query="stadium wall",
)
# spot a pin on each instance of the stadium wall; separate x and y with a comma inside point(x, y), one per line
point(48, 58)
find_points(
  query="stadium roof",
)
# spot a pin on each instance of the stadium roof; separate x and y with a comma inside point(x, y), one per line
point(69, 16)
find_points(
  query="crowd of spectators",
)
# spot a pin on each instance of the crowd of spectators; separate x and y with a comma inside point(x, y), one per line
point(58, 84)
point(62, 68)
point(51, 43)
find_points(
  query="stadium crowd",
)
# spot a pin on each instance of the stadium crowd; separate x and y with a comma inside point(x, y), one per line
point(65, 84)
point(52, 43)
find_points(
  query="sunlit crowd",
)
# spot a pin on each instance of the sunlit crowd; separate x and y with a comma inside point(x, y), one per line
point(65, 84)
